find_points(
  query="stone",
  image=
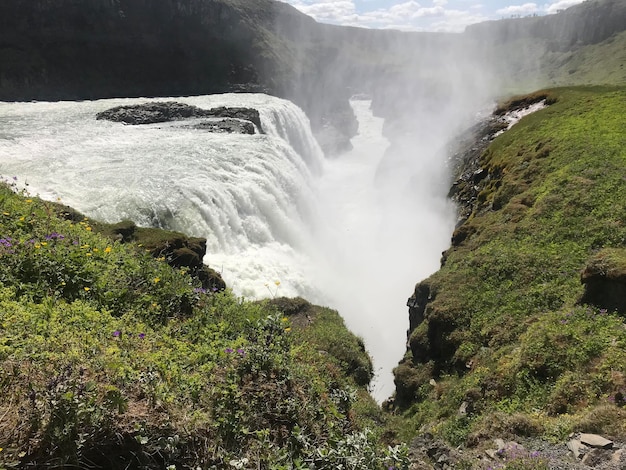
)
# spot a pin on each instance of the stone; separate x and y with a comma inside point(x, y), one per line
point(596, 441)
point(577, 448)
point(597, 456)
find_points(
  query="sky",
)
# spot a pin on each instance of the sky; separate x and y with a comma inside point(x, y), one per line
point(422, 15)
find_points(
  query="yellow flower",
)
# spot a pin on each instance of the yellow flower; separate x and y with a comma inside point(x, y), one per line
point(277, 283)
point(287, 330)
point(88, 254)
point(95, 250)
point(22, 219)
point(87, 289)
point(5, 213)
point(84, 246)
point(157, 279)
point(28, 201)
point(44, 243)
point(107, 249)
point(88, 229)
point(37, 245)
point(285, 319)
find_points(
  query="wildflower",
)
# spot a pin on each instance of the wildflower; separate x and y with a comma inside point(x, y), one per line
point(117, 333)
point(241, 352)
point(54, 235)
point(5, 213)
point(87, 289)
point(37, 245)
point(88, 228)
point(107, 249)
point(156, 279)
point(199, 290)
point(15, 178)
point(28, 201)
point(22, 219)
point(44, 243)
point(141, 335)
point(277, 283)
point(285, 319)
point(87, 254)
point(95, 250)
point(287, 330)
point(228, 350)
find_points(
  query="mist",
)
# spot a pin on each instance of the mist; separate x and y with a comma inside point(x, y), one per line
point(384, 217)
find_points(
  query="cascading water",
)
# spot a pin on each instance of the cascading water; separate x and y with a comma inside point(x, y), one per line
point(345, 232)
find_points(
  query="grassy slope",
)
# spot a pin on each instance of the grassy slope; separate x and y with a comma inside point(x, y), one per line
point(530, 64)
point(503, 332)
point(109, 357)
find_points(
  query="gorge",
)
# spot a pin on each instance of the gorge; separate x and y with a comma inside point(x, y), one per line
point(340, 196)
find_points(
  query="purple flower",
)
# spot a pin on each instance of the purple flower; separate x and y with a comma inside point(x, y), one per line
point(199, 290)
point(54, 235)
point(241, 352)
point(141, 335)
point(117, 333)
point(6, 242)
point(228, 350)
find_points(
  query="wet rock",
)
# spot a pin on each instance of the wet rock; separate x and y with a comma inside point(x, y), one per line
point(226, 126)
point(165, 111)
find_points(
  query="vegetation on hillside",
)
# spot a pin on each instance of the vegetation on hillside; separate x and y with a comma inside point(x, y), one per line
point(110, 358)
point(509, 344)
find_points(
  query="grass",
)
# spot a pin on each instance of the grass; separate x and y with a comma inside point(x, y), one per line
point(111, 358)
point(505, 331)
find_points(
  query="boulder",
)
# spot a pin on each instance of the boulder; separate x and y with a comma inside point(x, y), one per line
point(596, 441)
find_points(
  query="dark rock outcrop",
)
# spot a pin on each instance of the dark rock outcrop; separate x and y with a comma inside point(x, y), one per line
point(236, 119)
point(228, 126)
point(604, 279)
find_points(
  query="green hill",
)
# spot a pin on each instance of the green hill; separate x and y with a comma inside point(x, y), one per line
point(110, 358)
point(505, 331)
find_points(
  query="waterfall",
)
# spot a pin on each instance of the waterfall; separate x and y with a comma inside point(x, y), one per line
point(345, 232)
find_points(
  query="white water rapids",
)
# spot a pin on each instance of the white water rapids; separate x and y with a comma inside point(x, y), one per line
point(271, 206)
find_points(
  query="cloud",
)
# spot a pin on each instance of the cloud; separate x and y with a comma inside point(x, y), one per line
point(554, 7)
point(333, 11)
point(525, 9)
